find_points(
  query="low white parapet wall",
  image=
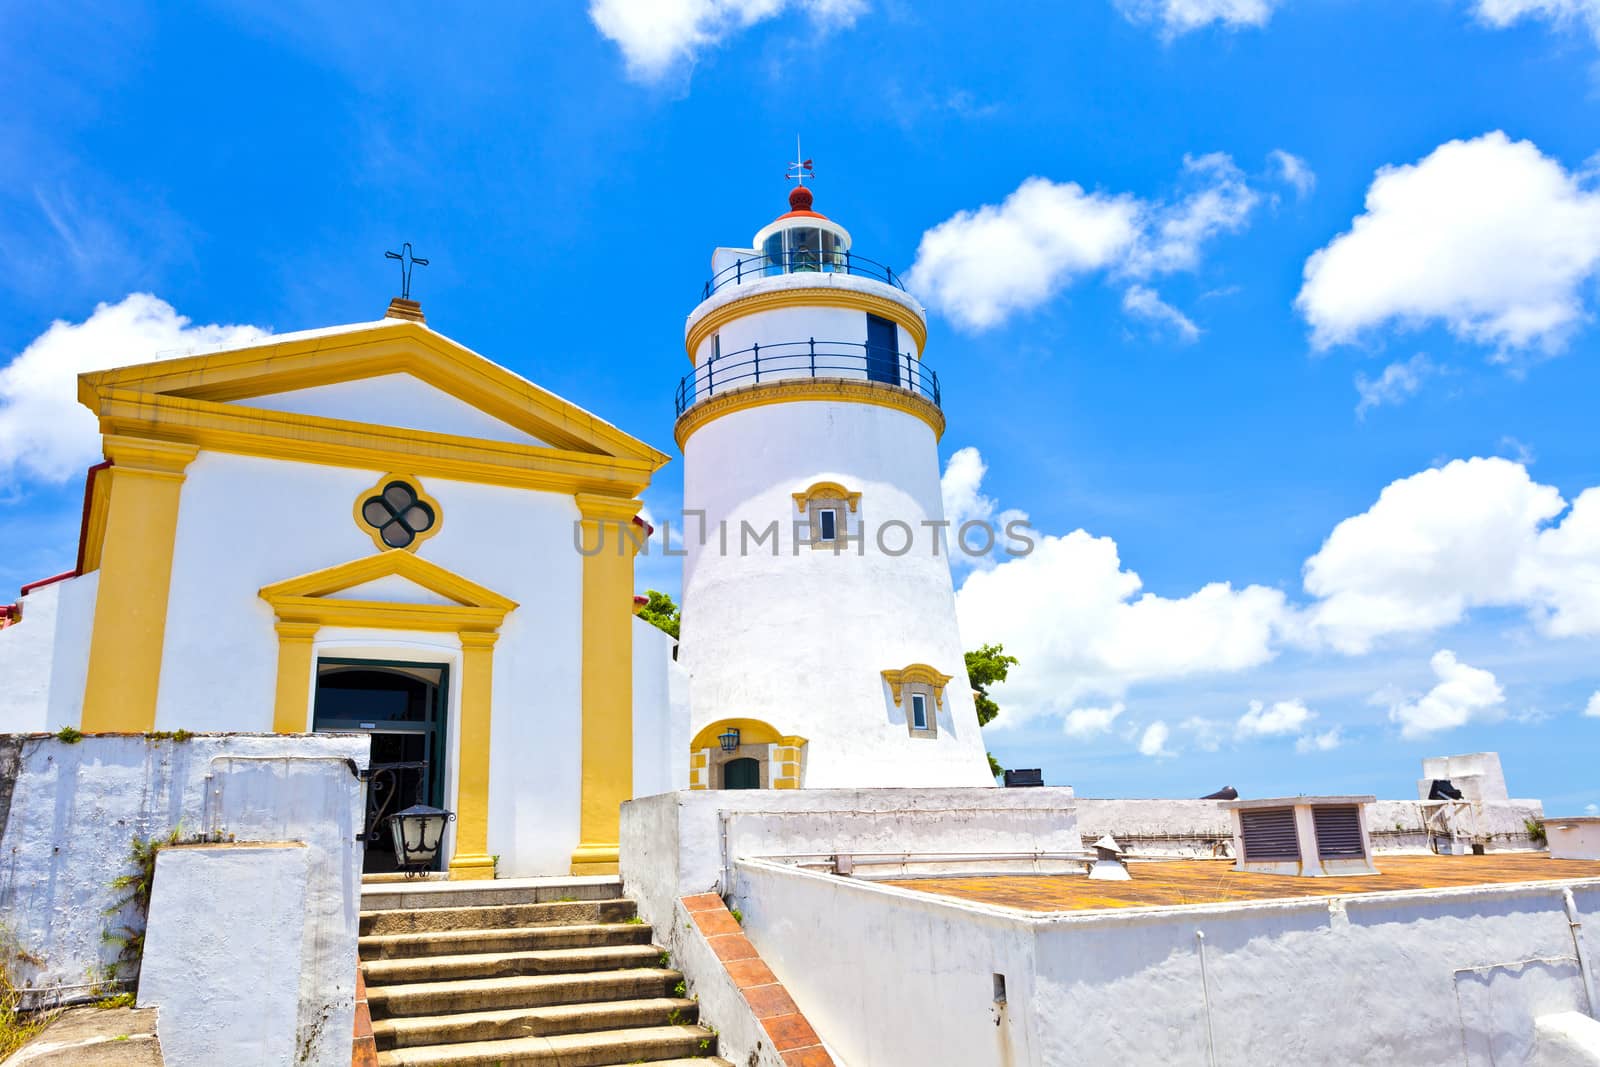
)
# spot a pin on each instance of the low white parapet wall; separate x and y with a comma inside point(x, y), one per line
point(891, 976)
point(71, 808)
point(1202, 829)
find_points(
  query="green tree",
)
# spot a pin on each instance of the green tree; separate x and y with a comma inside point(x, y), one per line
point(659, 611)
point(988, 665)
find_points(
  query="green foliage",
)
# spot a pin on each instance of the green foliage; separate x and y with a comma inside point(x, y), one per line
point(680, 989)
point(180, 736)
point(17, 1027)
point(69, 736)
point(665, 959)
point(738, 916)
point(1535, 830)
point(634, 920)
point(659, 611)
point(986, 666)
point(134, 901)
point(121, 1000)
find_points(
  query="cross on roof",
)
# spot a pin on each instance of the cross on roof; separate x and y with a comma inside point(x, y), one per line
point(407, 261)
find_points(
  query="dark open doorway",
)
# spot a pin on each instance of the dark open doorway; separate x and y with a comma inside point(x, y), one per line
point(403, 707)
point(742, 773)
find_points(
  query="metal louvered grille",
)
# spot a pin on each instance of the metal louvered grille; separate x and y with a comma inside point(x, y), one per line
point(1338, 831)
point(1269, 834)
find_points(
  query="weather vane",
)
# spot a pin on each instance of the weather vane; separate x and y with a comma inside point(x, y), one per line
point(801, 168)
point(407, 261)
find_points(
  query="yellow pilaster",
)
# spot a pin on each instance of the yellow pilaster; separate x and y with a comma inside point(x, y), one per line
point(292, 707)
point(130, 614)
point(607, 678)
point(472, 859)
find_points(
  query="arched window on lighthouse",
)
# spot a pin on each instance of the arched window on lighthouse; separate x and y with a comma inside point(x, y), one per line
point(918, 692)
point(827, 506)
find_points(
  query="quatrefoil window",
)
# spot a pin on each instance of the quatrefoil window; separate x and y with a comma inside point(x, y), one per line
point(398, 514)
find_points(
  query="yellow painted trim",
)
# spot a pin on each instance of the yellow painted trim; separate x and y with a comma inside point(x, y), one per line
point(751, 732)
point(806, 296)
point(785, 783)
point(471, 859)
point(826, 491)
point(342, 443)
point(793, 390)
point(917, 672)
point(94, 533)
point(606, 678)
point(291, 712)
point(386, 347)
point(130, 611)
point(415, 485)
point(305, 604)
point(698, 760)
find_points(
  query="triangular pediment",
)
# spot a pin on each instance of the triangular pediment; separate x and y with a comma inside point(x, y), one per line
point(314, 375)
point(380, 570)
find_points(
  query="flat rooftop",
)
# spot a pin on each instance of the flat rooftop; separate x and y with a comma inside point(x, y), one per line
point(1161, 883)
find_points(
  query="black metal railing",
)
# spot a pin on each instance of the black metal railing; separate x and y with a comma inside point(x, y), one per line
point(801, 261)
point(795, 360)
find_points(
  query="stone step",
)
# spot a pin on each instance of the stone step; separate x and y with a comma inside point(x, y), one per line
point(387, 896)
point(533, 1022)
point(509, 964)
point(530, 991)
point(601, 1049)
point(698, 1061)
point(515, 939)
point(495, 916)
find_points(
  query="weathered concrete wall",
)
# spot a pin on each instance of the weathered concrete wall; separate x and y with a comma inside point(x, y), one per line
point(1203, 829)
point(1421, 977)
point(44, 659)
point(223, 953)
point(75, 808)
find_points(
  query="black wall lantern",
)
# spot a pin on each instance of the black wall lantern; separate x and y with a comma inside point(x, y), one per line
point(729, 740)
point(417, 833)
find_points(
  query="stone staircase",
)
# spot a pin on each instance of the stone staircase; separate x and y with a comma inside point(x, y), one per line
point(553, 971)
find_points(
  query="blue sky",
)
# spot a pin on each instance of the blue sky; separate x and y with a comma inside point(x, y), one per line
point(1206, 333)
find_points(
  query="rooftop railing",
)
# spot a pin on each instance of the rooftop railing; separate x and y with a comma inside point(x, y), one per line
point(754, 268)
point(794, 360)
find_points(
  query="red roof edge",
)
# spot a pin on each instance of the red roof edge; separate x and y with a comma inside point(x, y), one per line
point(31, 586)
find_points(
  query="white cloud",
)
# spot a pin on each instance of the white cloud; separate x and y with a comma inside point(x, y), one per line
point(660, 37)
point(44, 432)
point(1489, 237)
point(1154, 741)
point(1502, 13)
point(1293, 171)
point(1593, 708)
point(1146, 303)
point(1323, 742)
point(1206, 733)
point(1474, 533)
point(1077, 619)
point(960, 488)
point(1398, 383)
point(1084, 723)
point(1276, 720)
point(1591, 809)
point(1464, 694)
point(981, 266)
point(1176, 17)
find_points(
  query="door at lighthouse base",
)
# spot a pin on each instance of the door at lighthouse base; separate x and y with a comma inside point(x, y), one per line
point(741, 774)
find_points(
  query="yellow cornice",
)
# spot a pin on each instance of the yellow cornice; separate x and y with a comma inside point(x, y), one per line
point(917, 672)
point(130, 453)
point(597, 507)
point(337, 442)
point(388, 347)
point(850, 390)
point(826, 491)
point(821, 296)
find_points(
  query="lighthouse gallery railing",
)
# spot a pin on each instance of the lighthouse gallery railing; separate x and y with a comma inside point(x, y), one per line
point(799, 261)
point(792, 360)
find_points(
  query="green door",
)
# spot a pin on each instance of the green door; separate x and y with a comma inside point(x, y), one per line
point(741, 774)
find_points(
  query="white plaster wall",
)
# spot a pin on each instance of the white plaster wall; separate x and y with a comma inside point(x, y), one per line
point(73, 809)
point(655, 760)
point(223, 951)
point(1574, 839)
point(219, 666)
point(893, 976)
point(1476, 774)
point(44, 659)
point(800, 639)
point(393, 400)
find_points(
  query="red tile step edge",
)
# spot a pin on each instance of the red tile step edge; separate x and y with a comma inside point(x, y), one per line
point(363, 1047)
point(778, 1014)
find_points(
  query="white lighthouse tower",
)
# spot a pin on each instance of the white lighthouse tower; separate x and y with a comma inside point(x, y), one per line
point(819, 629)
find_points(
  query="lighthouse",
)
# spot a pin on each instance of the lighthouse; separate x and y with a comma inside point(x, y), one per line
point(819, 631)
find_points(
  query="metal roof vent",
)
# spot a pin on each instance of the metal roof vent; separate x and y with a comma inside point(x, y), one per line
point(1310, 836)
point(1024, 777)
point(1108, 865)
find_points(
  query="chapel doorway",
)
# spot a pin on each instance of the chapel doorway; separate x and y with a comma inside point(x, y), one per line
point(743, 773)
point(403, 707)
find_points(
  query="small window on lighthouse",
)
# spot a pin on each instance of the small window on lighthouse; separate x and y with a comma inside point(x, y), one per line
point(827, 524)
point(919, 711)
